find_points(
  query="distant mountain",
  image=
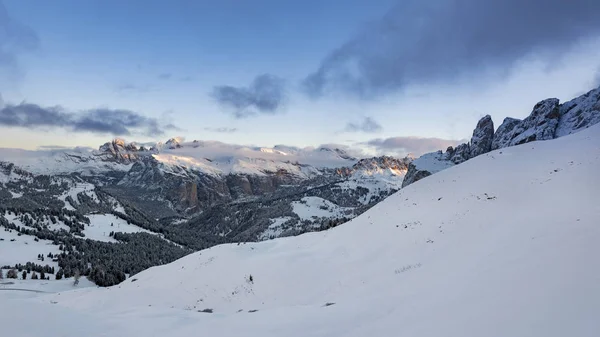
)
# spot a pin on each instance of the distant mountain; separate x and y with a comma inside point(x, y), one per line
point(548, 120)
point(177, 196)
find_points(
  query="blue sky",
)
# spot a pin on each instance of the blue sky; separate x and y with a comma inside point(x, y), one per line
point(350, 72)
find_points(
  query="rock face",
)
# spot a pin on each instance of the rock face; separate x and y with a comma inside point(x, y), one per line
point(548, 120)
point(119, 151)
point(481, 142)
point(579, 113)
point(505, 131)
point(426, 165)
point(460, 154)
point(540, 125)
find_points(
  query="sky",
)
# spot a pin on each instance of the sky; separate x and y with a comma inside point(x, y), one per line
point(384, 76)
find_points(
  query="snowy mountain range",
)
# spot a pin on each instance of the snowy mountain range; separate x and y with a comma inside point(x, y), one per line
point(549, 119)
point(174, 198)
point(177, 197)
point(503, 244)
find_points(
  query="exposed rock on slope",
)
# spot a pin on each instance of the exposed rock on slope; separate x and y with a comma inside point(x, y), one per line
point(548, 120)
point(540, 125)
point(579, 113)
point(481, 142)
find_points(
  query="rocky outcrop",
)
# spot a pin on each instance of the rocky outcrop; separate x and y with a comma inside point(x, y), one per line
point(119, 151)
point(481, 142)
point(173, 143)
point(414, 174)
point(548, 120)
point(378, 164)
point(579, 113)
point(504, 132)
point(540, 125)
point(460, 154)
point(426, 165)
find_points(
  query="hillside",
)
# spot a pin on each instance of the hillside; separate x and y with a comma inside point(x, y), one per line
point(172, 199)
point(504, 244)
point(549, 119)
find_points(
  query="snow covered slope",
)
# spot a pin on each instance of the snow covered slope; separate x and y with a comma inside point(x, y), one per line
point(505, 244)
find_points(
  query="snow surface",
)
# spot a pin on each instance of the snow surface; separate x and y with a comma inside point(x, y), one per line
point(24, 249)
point(209, 157)
point(275, 228)
point(310, 208)
point(82, 160)
point(432, 162)
point(100, 227)
point(501, 245)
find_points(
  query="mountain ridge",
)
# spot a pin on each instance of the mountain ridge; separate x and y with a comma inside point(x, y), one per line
point(549, 120)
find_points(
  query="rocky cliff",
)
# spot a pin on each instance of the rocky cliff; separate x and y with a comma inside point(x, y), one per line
point(548, 120)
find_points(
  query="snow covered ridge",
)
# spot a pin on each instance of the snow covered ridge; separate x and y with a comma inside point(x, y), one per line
point(431, 260)
point(548, 120)
point(209, 157)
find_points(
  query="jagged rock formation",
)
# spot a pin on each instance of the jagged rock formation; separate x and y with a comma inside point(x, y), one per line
point(460, 154)
point(540, 125)
point(579, 113)
point(119, 151)
point(481, 142)
point(548, 120)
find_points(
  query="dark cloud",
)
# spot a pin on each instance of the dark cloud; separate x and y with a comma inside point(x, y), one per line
point(265, 95)
point(165, 76)
point(368, 125)
point(419, 42)
point(221, 130)
point(15, 38)
point(415, 145)
point(104, 121)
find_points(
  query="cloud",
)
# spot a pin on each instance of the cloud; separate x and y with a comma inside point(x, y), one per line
point(127, 88)
point(420, 42)
point(414, 145)
point(15, 39)
point(102, 120)
point(368, 125)
point(221, 130)
point(165, 76)
point(186, 79)
point(265, 95)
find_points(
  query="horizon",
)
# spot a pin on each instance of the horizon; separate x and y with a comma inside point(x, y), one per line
point(99, 71)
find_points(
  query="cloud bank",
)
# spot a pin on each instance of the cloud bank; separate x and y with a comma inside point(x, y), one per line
point(368, 125)
point(414, 145)
point(221, 130)
point(265, 95)
point(117, 122)
point(420, 42)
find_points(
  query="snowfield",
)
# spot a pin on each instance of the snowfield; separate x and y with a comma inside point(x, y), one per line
point(505, 244)
point(314, 207)
point(24, 249)
point(102, 224)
